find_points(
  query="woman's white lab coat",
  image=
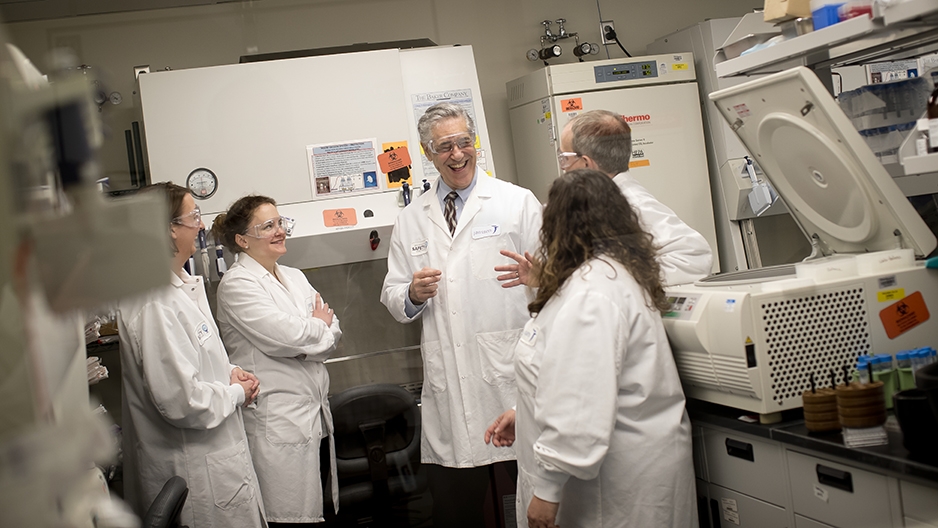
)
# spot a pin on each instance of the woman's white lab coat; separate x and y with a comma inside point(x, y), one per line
point(601, 426)
point(471, 326)
point(181, 413)
point(269, 330)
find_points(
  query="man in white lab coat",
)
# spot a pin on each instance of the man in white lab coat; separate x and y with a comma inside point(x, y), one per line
point(602, 140)
point(444, 248)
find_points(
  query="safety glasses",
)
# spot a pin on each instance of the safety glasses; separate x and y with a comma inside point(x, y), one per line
point(269, 228)
point(446, 144)
point(192, 219)
point(566, 159)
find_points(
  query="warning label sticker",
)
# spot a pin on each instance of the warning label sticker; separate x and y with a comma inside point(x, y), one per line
point(569, 105)
point(902, 316)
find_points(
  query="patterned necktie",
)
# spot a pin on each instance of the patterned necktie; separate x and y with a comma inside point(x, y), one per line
point(449, 211)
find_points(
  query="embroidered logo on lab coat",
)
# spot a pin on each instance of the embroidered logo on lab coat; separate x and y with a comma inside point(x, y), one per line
point(202, 332)
point(309, 305)
point(419, 248)
point(529, 335)
point(485, 231)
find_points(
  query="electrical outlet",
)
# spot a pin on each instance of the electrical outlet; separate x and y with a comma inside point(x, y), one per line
point(603, 30)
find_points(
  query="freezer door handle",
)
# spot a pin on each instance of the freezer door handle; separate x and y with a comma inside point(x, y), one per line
point(835, 478)
point(743, 450)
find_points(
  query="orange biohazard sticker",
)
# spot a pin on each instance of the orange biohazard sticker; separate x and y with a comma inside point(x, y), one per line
point(902, 316)
point(570, 105)
point(339, 217)
point(394, 159)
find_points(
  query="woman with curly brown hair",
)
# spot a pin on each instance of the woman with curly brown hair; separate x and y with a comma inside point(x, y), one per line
point(603, 439)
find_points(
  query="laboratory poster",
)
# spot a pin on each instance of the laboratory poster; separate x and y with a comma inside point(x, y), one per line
point(463, 98)
point(349, 167)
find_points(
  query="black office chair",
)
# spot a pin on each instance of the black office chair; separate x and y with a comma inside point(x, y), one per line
point(166, 508)
point(377, 442)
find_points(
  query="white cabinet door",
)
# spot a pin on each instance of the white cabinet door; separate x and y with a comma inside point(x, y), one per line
point(919, 505)
point(730, 509)
point(747, 464)
point(837, 494)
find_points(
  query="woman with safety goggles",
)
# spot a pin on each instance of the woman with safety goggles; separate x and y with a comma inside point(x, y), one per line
point(182, 396)
point(275, 324)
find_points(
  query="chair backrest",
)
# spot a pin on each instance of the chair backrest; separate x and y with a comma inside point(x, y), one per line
point(377, 441)
point(166, 508)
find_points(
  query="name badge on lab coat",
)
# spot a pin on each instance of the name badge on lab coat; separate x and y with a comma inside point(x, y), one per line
point(529, 335)
point(419, 248)
point(485, 231)
point(202, 332)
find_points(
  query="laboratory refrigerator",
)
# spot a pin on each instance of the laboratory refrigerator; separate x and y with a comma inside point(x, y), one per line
point(657, 95)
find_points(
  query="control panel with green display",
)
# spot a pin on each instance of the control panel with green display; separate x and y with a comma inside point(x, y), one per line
point(626, 71)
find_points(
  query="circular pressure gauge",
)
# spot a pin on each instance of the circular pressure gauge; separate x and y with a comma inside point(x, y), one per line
point(202, 183)
point(532, 55)
point(594, 48)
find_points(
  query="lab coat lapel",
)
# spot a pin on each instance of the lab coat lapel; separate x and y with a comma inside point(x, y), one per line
point(473, 205)
point(194, 289)
point(274, 287)
point(431, 206)
point(482, 191)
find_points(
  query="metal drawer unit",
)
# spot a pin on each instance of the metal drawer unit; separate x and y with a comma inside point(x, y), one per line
point(841, 495)
point(919, 505)
point(804, 522)
point(730, 509)
point(746, 464)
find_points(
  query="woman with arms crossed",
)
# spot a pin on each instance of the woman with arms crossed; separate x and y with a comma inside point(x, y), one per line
point(275, 324)
point(603, 439)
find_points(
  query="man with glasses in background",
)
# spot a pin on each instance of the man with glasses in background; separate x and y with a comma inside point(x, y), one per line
point(441, 269)
point(602, 140)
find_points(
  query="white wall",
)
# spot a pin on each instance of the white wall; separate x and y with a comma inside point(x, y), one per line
point(500, 32)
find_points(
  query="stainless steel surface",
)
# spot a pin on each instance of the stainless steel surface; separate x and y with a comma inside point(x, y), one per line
point(750, 30)
point(374, 347)
point(796, 27)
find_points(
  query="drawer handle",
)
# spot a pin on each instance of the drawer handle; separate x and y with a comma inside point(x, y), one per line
point(835, 478)
point(735, 448)
point(715, 514)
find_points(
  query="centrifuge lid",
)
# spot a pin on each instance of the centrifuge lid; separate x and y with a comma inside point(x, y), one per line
point(831, 181)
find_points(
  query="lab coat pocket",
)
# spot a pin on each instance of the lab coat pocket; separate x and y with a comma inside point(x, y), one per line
point(484, 256)
point(434, 372)
point(228, 472)
point(289, 419)
point(496, 353)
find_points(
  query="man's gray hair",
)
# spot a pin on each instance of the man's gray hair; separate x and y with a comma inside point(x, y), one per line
point(439, 112)
point(605, 137)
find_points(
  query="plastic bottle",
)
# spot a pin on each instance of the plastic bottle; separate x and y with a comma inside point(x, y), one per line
point(863, 375)
point(918, 359)
point(884, 371)
point(906, 376)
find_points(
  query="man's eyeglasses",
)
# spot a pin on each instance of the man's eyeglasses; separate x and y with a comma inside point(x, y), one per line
point(269, 228)
point(566, 159)
point(191, 219)
point(446, 144)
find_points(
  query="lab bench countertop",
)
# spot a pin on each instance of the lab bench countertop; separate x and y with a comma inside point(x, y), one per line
point(892, 458)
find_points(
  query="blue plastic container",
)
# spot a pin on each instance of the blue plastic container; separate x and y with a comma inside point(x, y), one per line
point(826, 16)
